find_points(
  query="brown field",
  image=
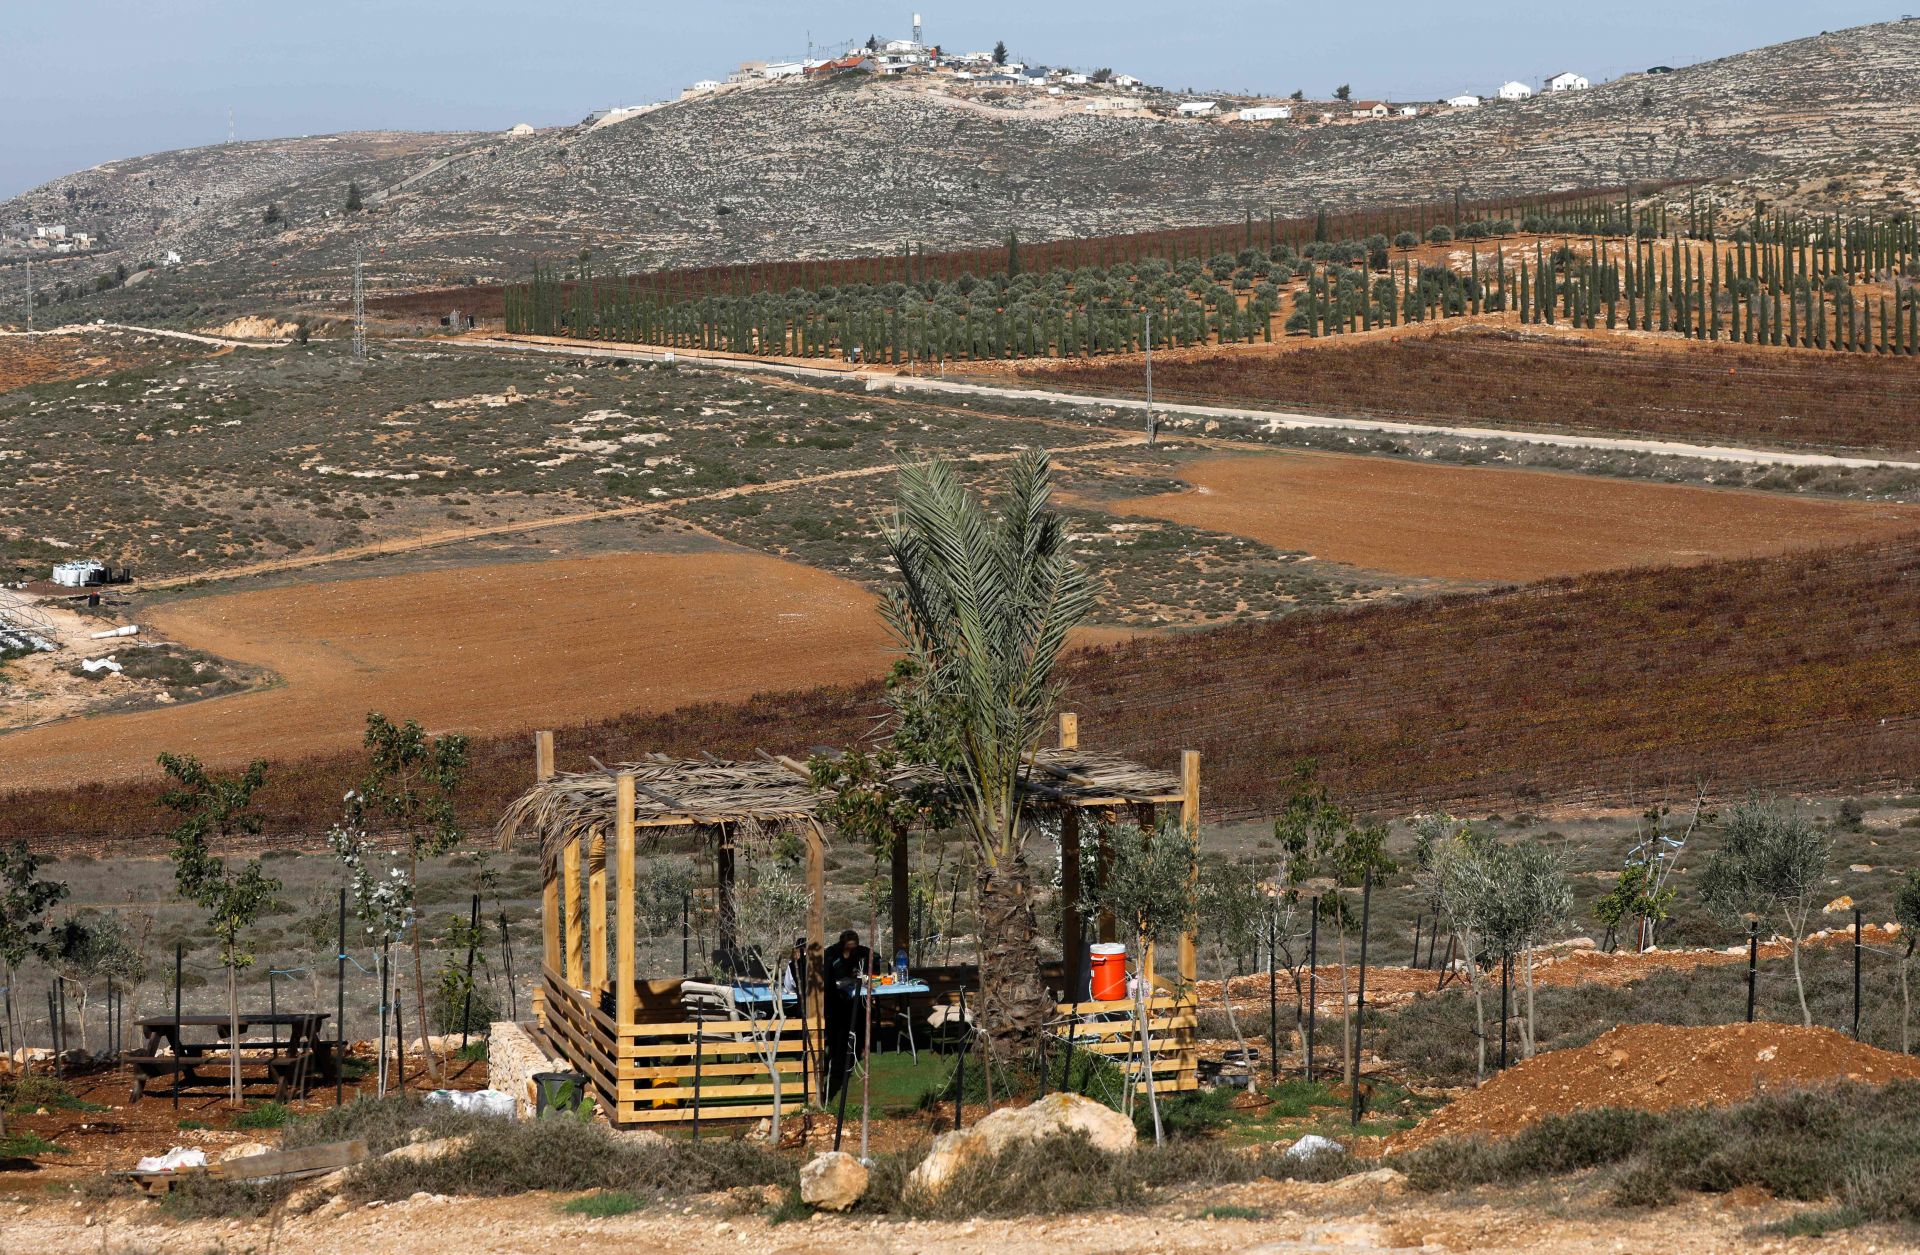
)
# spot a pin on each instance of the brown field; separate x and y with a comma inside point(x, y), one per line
point(1473, 523)
point(1796, 672)
point(482, 649)
point(28, 360)
point(1598, 382)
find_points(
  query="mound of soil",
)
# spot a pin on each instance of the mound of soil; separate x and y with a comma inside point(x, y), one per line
point(1655, 1067)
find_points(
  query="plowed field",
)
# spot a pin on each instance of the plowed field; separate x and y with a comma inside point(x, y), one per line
point(1475, 523)
point(481, 649)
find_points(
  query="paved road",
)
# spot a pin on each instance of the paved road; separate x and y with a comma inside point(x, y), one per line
point(1274, 420)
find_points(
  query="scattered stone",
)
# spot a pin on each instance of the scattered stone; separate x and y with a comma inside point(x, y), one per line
point(833, 1181)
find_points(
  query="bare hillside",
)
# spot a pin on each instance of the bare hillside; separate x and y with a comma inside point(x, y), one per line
point(829, 169)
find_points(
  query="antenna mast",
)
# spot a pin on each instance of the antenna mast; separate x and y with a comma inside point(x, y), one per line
point(359, 312)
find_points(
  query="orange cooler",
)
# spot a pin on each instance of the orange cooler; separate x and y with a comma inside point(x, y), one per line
point(1109, 982)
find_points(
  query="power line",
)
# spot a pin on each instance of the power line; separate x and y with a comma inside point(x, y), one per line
point(359, 312)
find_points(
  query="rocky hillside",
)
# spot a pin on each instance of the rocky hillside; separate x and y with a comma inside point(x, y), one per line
point(818, 170)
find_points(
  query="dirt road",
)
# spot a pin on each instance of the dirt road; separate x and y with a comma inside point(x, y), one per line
point(1353, 1217)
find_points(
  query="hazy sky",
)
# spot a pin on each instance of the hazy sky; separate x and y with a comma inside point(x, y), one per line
point(83, 82)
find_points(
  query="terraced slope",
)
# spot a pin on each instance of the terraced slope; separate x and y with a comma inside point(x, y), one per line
point(816, 170)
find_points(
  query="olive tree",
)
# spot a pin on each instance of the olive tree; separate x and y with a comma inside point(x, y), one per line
point(25, 900)
point(1233, 902)
point(1148, 889)
point(216, 809)
point(91, 946)
point(1906, 909)
point(1772, 865)
point(411, 783)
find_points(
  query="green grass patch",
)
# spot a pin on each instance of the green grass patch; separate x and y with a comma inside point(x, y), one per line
point(268, 1115)
point(26, 1144)
point(1228, 1211)
point(602, 1204)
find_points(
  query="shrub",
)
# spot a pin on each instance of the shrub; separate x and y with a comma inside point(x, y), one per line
point(1439, 235)
point(1194, 1114)
point(1848, 1144)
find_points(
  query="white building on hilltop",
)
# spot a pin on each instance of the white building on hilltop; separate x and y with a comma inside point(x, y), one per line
point(1464, 102)
point(1266, 113)
point(1515, 91)
point(1199, 109)
point(1568, 81)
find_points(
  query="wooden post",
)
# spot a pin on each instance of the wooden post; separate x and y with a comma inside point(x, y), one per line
point(1190, 829)
point(727, 923)
point(570, 893)
point(815, 1032)
point(550, 891)
point(597, 915)
point(1072, 942)
point(625, 989)
point(902, 894)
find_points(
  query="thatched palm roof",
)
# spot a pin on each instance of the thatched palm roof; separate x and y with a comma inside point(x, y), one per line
point(712, 792)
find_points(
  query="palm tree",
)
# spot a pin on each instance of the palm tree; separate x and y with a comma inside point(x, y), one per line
point(982, 608)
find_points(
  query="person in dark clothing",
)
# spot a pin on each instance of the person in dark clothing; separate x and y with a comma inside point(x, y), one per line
point(847, 962)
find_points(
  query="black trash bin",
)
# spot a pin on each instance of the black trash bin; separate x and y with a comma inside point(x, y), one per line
point(562, 1091)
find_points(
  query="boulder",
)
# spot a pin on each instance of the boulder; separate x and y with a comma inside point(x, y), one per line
point(435, 1148)
point(316, 1192)
point(833, 1181)
point(245, 1150)
point(1056, 1114)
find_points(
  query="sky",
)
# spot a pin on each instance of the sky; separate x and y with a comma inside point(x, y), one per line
point(82, 82)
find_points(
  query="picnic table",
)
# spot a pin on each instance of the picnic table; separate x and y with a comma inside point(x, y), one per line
point(293, 1060)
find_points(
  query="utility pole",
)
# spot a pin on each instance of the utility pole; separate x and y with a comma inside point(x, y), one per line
point(1148, 311)
point(29, 294)
point(359, 313)
point(229, 124)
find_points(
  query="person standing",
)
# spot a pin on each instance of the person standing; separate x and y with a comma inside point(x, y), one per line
point(847, 963)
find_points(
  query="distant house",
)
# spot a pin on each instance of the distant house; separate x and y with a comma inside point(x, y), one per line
point(1074, 80)
point(1568, 81)
point(1199, 109)
point(1000, 80)
point(902, 45)
point(1266, 113)
point(1464, 102)
point(1515, 91)
point(703, 86)
point(57, 231)
point(1408, 111)
point(1124, 80)
point(783, 69)
point(1369, 109)
point(1659, 69)
point(855, 61)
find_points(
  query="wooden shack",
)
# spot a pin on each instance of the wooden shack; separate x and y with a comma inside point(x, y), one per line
point(650, 1063)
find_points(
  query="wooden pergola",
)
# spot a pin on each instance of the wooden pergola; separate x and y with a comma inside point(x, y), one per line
point(648, 1062)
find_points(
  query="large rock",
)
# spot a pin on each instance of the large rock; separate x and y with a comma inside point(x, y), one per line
point(1054, 1115)
point(833, 1181)
point(436, 1148)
